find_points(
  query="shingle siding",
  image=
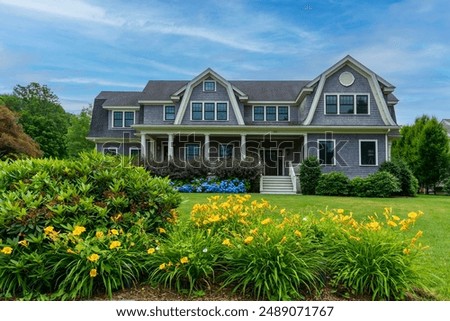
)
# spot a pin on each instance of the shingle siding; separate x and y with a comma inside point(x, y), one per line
point(360, 86)
point(347, 152)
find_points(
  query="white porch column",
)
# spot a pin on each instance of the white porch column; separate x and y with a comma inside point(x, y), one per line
point(206, 147)
point(243, 147)
point(170, 147)
point(143, 146)
point(152, 151)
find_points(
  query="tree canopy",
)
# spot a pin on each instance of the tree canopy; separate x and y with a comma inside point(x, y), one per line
point(13, 141)
point(424, 147)
point(77, 132)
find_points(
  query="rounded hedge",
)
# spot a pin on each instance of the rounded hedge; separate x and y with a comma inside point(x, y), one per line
point(333, 184)
point(309, 175)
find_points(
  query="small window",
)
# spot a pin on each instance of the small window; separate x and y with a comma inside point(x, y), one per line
point(225, 151)
point(346, 105)
point(271, 113)
point(368, 153)
point(197, 111)
point(362, 104)
point(258, 113)
point(331, 104)
point(222, 111)
point(209, 85)
point(283, 113)
point(169, 113)
point(209, 112)
point(192, 151)
point(111, 151)
point(326, 152)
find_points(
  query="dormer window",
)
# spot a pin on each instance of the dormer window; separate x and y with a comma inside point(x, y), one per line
point(123, 119)
point(209, 85)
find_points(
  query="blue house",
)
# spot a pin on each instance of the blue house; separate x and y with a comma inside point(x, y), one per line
point(345, 117)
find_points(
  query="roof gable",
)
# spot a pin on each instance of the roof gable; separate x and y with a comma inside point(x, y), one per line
point(186, 91)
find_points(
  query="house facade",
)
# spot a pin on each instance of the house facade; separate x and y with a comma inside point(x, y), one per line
point(345, 117)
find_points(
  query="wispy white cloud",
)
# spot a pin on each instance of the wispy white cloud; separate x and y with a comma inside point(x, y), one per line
point(96, 81)
point(76, 10)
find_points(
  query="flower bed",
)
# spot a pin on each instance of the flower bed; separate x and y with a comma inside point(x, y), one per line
point(213, 185)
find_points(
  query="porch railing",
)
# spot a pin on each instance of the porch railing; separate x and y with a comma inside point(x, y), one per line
point(293, 177)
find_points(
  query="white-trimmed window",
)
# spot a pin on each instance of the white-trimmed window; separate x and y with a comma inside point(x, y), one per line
point(209, 111)
point(270, 113)
point(209, 85)
point(169, 112)
point(326, 151)
point(192, 151)
point(122, 119)
point(368, 152)
point(226, 151)
point(111, 151)
point(346, 104)
point(135, 152)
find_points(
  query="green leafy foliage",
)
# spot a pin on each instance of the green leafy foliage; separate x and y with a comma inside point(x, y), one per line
point(334, 183)
point(310, 173)
point(77, 132)
point(408, 183)
point(54, 214)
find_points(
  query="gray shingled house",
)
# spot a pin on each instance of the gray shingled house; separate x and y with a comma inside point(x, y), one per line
point(345, 117)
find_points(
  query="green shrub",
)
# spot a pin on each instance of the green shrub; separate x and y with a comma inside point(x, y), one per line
point(179, 170)
point(249, 170)
point(381, 184)
point(334, 183)
point(358, 187)
point(309, 175)
point(186, 260)
point(52, 208)
point(408, 182)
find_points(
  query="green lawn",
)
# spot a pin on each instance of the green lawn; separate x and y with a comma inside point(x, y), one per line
point(435, 223)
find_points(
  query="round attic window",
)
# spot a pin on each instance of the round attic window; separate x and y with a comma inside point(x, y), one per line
point(346, 78)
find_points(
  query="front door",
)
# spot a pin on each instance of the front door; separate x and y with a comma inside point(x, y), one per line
point(271, 160)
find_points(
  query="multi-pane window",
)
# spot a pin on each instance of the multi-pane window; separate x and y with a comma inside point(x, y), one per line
point(211, 111)
point(222, 111)
point(192, 151)
point(110, 150)
point(169, 112)
point(197, 111)
point(270, 113)
point(362, 104)
point(258, 113)
point(368, 152)
point(225, 151)
point(326, 152)
point(345, 104)
point(331, 104)
point(209, 85)
point(123, 119)
point(283, 113)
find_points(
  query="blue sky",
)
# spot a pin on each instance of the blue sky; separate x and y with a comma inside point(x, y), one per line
point(79, 48)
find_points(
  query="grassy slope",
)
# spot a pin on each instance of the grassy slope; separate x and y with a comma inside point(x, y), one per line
point(435, 223)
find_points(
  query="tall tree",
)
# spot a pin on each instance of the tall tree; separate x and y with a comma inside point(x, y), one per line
point(13, 141)
point(42, 117)
point(424, 147)
point(77, 132)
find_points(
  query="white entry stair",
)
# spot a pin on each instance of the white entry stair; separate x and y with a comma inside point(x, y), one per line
point(277, 185)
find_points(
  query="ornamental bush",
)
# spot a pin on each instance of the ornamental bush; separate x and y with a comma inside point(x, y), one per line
point(381, 184)
point(408, 182)
point(334, 183)
point(309, 175)
point(214, 185)
point(56, 214)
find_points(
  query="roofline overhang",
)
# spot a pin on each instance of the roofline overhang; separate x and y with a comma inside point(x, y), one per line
point(260, 130)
